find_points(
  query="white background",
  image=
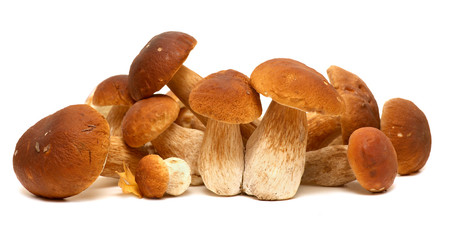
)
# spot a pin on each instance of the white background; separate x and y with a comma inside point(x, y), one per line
point(52, 54)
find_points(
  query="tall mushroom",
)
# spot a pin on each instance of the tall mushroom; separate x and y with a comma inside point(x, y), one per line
point(275, 153)
point(228, 100)
point(64, 153)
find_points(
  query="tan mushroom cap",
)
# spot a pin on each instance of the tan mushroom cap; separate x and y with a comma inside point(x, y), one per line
point(372, 157)
point(148, 118)
point(157, 62)
point(407, 127)
point(361, 107)
point(291, 83)
point(64, 153)
point(152, 176)
point(113, 91)
point(226, 96)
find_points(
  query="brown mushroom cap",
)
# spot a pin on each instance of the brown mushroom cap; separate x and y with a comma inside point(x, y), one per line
point(148, 118)
point(361, 107)
point(226, 96)
point(291, 83)
point(407, 127)
point(113, 91)
point(152, 176)
point(372, 158)
point(157, 62)
point(64, 153)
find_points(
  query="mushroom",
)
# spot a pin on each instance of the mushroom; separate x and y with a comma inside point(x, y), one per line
point(114, 92)
point(275, 152)
point(63, 153)
point(373, 159)
point(322, 130)
point(154, 177)
point(160, 63)
point(407, 128)
point(361, 107)
point(152, 120)
point(227, 100)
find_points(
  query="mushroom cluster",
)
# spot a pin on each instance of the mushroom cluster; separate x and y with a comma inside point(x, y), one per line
point(209, 131)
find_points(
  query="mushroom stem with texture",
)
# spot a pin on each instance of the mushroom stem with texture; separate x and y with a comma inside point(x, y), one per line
point(274, 160)
point(228, 100)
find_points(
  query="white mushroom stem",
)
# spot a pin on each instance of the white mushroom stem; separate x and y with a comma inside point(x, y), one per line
point(184, 143)
point(275, 154)
point(221, 159)
point(120, 153)
point(115, 117)
point(179, 176)
point(182, 84)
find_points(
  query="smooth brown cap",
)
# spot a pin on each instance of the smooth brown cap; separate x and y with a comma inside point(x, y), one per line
point(113, 91)
point(148, 118)
point(226, 96)
point(407, 127)
point(361, 107)
point(64, 153)
point(152, 176)
point(372, 158)
point(291, 83)
point(157, 62)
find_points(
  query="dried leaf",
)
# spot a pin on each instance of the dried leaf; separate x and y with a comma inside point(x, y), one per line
point(127, 182)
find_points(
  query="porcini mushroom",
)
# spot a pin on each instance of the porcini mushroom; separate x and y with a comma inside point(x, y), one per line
point(407, 127)
point(361, 106)
point(372, 157)
point(275, 152)
point(154, 177)
point(228, 100)
point(64, 153)
point(114, 92)
point(322, 130)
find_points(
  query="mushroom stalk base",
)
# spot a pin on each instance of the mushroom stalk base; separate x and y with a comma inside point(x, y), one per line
point(183, 143)
point(275, 154)
point(221, 159)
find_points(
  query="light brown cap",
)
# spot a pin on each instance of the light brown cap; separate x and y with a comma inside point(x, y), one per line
point(157, 62)
point(226, 96)
point(64, 153)
point(152, 176)
point(148, 118)
point(291, 83)
point(407, 127)
point(372, 157)
point(361, 107)
point(113, 91)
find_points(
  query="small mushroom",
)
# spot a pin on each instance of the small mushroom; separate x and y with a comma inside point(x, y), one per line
point(113, 92)
point(407, 127)
point(361, 106)
point(227, 99)
point(154, 177)
point(275, 152)
point(372, 158)
point(64, 153)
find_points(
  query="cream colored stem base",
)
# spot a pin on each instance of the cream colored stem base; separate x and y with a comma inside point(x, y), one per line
point(221, 159)
point(275, 154)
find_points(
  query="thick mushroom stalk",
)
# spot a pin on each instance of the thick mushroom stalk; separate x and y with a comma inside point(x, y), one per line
point(278, 147)
point(221, 159)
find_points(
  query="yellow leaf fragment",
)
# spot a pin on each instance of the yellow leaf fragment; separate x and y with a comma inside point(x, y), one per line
point(127, 182)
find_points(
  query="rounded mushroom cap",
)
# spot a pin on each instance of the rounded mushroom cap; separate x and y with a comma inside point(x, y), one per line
point(148, 118)
point(407, 127)
point(64, 153)
point(152, 176)
point(291, 83)
point(179, 176)
point(361, 107)
point(226, 96)
point(157, 62)
point(372, 158)
point(113, 91)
